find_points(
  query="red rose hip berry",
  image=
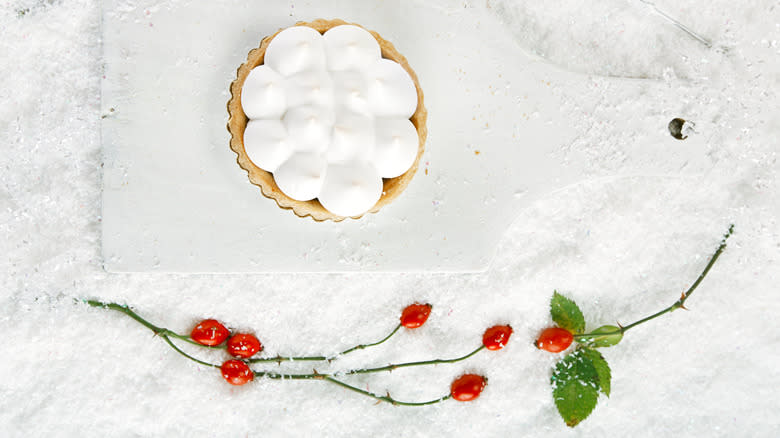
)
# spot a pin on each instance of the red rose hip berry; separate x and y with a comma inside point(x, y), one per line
point(209, 332)
point(236, 372)
point(496, 337)
point(415, 315)
point(467, 387)
point(554, 340)
point(243, 345)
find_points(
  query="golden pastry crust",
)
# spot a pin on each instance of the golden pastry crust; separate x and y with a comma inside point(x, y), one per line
point(237, 124)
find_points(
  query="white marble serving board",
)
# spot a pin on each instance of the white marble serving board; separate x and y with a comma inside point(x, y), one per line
point(174, 199)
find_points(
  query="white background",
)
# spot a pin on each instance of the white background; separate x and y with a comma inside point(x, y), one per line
point(621, 248)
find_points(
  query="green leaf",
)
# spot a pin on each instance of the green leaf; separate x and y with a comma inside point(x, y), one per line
point(602, 369)
point(566, 314)
point(575, 383)
point(604, 336)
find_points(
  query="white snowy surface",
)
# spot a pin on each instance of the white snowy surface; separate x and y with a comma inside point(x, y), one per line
point(622, 248)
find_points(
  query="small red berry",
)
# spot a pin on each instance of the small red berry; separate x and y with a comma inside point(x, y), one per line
point(467, 387)
point(243, 345)
point(236, 372)
point(496, 337)
point(554, 339)
point(415, 315)
point(209, 332)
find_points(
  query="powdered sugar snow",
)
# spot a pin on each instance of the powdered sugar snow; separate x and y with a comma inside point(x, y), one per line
point(622, 248)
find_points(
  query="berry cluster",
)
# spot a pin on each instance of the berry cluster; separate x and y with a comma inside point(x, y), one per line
point(244, 347)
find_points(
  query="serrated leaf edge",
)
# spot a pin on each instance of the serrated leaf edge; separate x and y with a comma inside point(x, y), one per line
point(578, 315)
point(596, 387)
point(605, 389)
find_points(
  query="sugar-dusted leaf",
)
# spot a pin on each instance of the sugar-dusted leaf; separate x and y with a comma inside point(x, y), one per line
point(566, 314)
point(575, 384)
point(602, 369)
point(604, 336)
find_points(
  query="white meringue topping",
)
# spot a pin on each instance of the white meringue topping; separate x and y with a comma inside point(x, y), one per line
point(329, 117)
point(301, 176)
point(296, 49)
point(353, 139)
point(350, 47)
point(351, 91)
point(310, 87)
point(310, 127)
point(263, 95)
point(396, 146)
point(350, 189)
point(391, 92)
point(267, 144)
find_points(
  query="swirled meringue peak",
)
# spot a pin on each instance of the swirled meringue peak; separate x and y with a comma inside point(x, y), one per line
point(329, 117)
point(349, 187)
point(296, 49)
point(267, 144)
point(350, 47)
point(263, 95)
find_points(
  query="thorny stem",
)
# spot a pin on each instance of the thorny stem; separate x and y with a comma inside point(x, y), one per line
point(391, 367)
point(162, 331)
point(384, 398)
point(328, 378)
point(170, 333)
point(286, 358)
point(165, 334)
point(126, 310)
point(331, 379)
point(677, 304)
point(324, 358)
point(168, 341)
point(362, 346)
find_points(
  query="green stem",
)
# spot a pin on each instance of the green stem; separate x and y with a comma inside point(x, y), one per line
point(162, 331)
point(677, 304)
point(157, 330)
point(384, 398)
point(286, 358)
point(391, 367)
point(165, 334)
point(324, 358)
point(280, 376)
point(331, 379)
point(168, 341)
point(362, 346)
point(126, 310)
